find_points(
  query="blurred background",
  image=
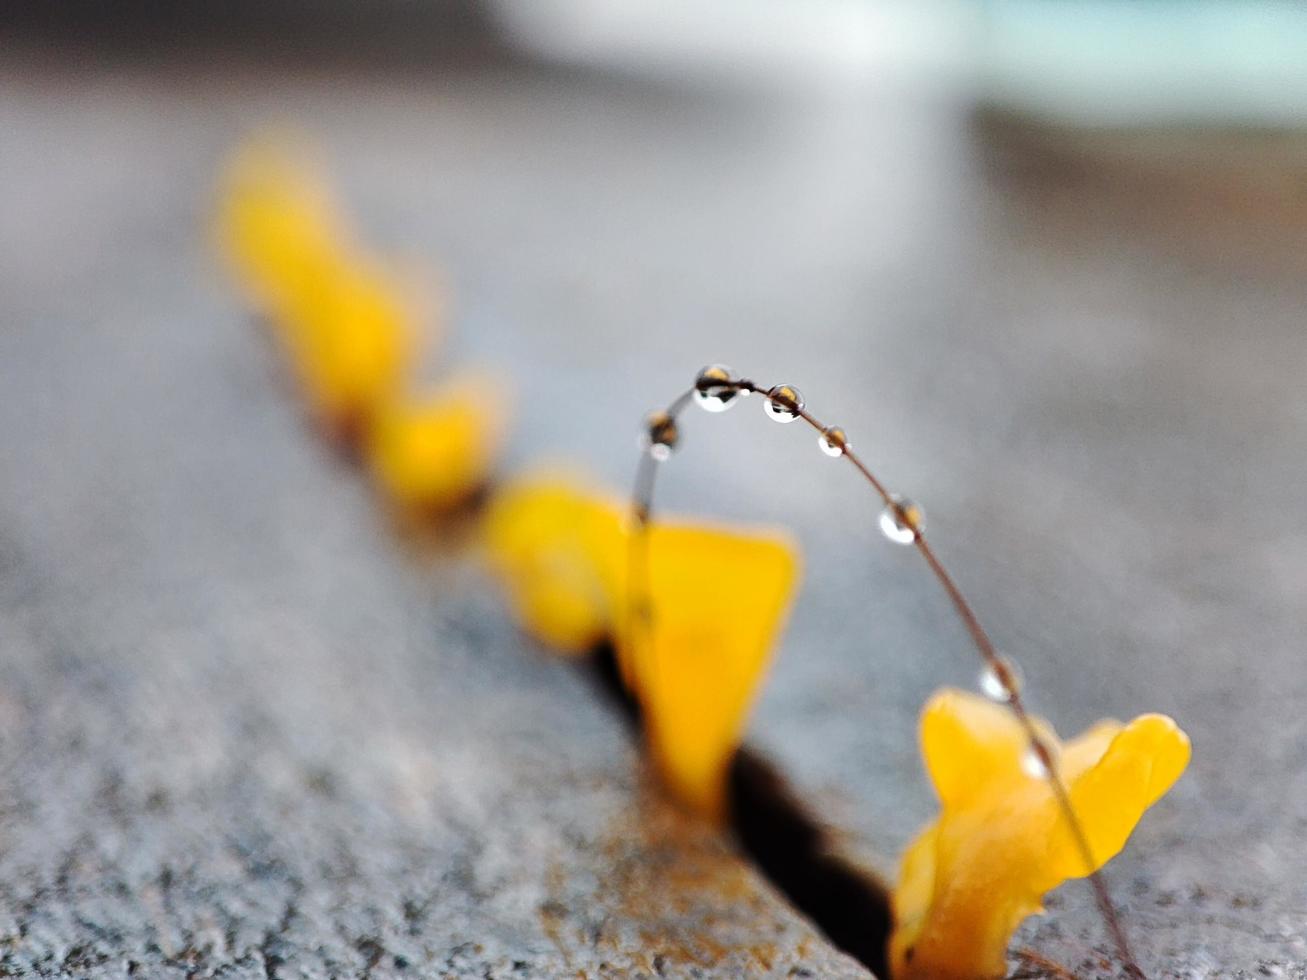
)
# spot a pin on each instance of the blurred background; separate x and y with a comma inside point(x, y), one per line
point(1045, 260)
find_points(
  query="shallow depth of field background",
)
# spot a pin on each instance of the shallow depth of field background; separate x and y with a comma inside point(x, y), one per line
point(1045, 262)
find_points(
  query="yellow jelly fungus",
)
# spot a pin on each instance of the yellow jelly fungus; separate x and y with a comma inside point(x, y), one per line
point(347, 323)
point(278, 225)
point(558, 549)
point(718, 597)
point(1001, 842)
point(433, 452)
point(718, 600)
point(353, 341)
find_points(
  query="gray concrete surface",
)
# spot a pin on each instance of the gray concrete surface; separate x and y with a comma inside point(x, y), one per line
point(244, 730)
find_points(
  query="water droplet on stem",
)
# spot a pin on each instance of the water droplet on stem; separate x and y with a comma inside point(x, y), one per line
point(902, 520)
point(1000, 681)
point(833, 441)
point(784, 403)
point(1032, 764)
point(660, 435)
point(714, 388)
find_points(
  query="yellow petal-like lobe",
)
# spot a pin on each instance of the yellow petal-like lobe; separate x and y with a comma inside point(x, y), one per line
point(559, 551)
point(719, 598)
point(1139, 765)
point(1001, 841)
point(347, 323)
point(1083, 752)
point(432, 452)
point(352, 339)
point(278, 225)
point(916, 886)
point(968, 743)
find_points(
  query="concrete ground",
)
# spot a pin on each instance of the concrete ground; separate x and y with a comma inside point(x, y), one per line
point(247, 730)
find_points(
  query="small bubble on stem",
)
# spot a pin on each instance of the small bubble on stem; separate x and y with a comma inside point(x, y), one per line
point(714, 388)
point(833, 441)
point(1001, 680)
point(901, 520)
point(660, 435)
point(1035, 762)
point(784, 403)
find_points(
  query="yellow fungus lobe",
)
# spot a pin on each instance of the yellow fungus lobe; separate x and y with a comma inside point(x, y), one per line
point(431, 452)
point(718, 598)
point(557, 549)
point(346, 321)
point(693, 637)
point(1001, 842)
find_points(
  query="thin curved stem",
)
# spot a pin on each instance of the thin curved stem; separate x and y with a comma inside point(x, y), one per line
point(642, 507)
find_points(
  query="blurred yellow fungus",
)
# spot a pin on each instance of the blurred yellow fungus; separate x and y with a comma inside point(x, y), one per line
point(1001, 842)
point(434, 451)
point(278, 225)
point(559, 550)
point(347, 322)
point(353, 342)
point(349, 326)
point(717, 598)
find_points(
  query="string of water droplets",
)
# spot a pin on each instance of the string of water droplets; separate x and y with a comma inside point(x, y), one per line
point(716, 389)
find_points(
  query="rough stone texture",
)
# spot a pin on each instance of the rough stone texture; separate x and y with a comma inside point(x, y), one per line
point(245, 731)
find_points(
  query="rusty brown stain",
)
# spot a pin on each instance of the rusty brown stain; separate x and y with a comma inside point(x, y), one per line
point(553, 911)
point(675, 877)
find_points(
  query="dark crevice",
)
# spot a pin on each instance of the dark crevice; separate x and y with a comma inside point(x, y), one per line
point(608, 678)
point(849, 904)
point(787, 844)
